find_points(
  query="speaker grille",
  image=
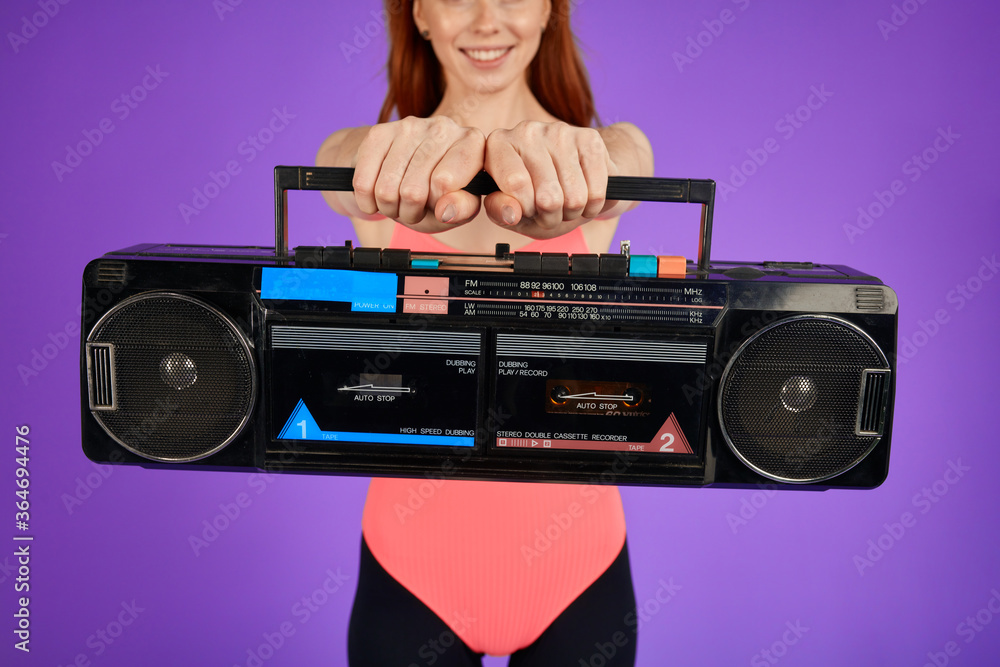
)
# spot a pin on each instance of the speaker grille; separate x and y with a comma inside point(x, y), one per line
point(791, 399)
point(183, 377)
point(869, 298)
point(110, 271)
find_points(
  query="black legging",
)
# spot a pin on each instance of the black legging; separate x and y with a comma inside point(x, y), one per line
point(391, 627)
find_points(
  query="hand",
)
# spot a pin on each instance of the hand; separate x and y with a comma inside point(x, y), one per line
point(409, 168)
point(552, 177)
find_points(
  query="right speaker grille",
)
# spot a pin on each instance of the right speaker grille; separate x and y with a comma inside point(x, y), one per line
point(804, 399)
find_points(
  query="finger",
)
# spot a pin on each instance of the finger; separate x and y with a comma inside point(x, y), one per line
point(549, 199)
point(573, 184)
point(595, 166)
point(457, 208)
point(512, 176)
point(503, 209)
point(415, 187)
point(371, 153)
point(457, 167)
point(390, 176)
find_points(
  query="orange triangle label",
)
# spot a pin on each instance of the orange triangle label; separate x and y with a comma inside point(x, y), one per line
point(670, 438)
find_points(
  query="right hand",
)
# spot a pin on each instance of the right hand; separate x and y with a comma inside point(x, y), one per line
point(410, 168)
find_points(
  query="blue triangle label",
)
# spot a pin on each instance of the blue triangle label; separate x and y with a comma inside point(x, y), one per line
point(301, 425)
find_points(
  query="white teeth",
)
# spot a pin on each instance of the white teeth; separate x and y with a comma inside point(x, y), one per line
point(485, 54)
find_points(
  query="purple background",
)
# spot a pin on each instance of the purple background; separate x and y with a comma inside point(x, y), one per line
point(792, 562)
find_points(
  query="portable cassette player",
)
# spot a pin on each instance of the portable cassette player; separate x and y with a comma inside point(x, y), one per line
point(613, 368)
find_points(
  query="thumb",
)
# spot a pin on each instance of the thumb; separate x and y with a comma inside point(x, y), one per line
point(457, 208)
point(503, 209)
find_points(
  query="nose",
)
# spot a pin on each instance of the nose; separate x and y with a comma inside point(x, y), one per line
point(486, 21)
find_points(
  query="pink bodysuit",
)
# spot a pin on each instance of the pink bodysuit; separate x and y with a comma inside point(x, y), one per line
point(496, 561)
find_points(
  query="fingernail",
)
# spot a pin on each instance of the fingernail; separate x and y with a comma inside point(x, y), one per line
point(508, 215)
point(449, 213)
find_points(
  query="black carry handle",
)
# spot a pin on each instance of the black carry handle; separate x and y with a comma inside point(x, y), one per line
point(624, 188)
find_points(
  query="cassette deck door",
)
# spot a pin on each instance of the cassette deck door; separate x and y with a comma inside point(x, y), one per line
point(346, 388)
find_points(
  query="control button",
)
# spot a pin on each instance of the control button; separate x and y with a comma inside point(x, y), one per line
point(642, 266)
point(527, 262)
point(671, 266)
point(586, 265)
point(424, 263)
point(614, 266)
point(396, 259)
point(309, 256)
point(555, 264)
point(337, 257)
point(367, 258)
point(502, 251)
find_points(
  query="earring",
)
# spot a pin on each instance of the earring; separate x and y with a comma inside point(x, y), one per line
point(426, 34)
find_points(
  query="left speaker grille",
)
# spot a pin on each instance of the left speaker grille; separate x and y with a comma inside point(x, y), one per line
point(183, 377)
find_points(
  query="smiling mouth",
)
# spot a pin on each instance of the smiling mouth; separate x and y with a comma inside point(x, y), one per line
point(487, 55)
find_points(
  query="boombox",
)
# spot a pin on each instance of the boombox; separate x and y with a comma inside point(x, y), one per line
point(593, 368)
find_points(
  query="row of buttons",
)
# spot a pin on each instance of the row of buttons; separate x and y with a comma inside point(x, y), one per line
point(347, 257)
point(607, 265)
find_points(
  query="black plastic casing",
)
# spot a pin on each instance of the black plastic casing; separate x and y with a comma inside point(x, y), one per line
point(753, 295)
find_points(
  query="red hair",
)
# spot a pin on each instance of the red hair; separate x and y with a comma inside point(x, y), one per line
point(556, 76)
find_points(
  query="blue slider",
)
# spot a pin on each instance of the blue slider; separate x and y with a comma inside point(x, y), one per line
point(424, 263)
point(642, 266)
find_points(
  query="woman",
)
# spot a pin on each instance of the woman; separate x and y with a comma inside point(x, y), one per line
point(537, 571)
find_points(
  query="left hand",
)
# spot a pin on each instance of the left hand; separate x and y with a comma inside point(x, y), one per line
point(553, 177)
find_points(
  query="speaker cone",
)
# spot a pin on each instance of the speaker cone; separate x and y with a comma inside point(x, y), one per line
point(171, 378)
point(804, 399)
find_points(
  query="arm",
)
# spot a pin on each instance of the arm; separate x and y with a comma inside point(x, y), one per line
point(632, 153)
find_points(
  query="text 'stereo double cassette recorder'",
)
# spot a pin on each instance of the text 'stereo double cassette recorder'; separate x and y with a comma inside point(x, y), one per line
point(619, 368)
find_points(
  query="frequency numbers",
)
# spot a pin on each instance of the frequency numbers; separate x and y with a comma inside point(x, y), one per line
point(539, 285)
